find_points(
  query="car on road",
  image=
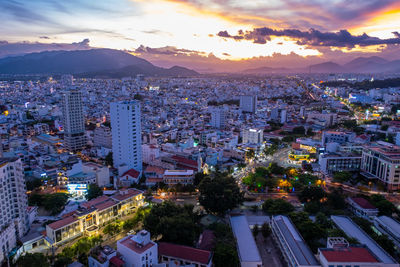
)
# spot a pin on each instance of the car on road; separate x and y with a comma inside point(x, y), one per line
point(131, 232)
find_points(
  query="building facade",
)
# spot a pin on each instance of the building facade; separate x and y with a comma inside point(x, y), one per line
point(94, 214)
point(218, 118)
point(252, 136)
point(102, 137)
point(14, 221)
point(126, 134)
point(248, 103)
point(382, 161)
point(335, 162)
point(73, 120)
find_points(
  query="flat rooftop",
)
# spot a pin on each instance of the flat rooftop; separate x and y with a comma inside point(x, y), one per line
point(298, 246)
point(353, 230)
point(390, 225)
point(247, 248)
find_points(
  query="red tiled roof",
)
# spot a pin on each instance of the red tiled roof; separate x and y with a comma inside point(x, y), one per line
point(184, 253)
point(117, 261)
point(363, 203)
point(95, 201)
point(206, 241)
point(155, 169)
point(352, 254)
point(132, 245)
point(105, 205)
point(185, 161)
point(132, 172)
point(61, 223)
point(125, 194)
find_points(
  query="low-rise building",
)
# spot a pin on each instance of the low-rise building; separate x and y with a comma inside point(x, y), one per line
point(353, 230)
point(174, 177)
point(178, 255)
point(247, 249)
point(138, 250)
point(293, 247)
point(94, 214)
point(390, 227)
point(362, 207)
point(335, 162)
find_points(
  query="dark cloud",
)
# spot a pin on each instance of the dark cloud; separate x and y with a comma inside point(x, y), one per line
point(44, 37)
point(167, 50)
point(21, 48)
point(397, 34)
point(312, 37)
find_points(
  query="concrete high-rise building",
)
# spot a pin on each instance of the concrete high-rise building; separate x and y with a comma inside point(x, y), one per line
point(73, 120)
point(302, 111)
point(283, 116)
point(218, 117)
point(13, 205)
point(126, 134)
point(102, 137)
point(248, 103)
point(253, 136)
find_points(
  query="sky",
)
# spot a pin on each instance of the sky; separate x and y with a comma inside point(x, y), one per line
point(207, 35)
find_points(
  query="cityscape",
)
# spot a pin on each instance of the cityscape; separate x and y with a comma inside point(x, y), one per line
point(168, 133)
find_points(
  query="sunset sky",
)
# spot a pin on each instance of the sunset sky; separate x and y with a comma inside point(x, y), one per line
point(207, 34)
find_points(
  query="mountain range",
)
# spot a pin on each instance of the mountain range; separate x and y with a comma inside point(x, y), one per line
point(87, 63)
point(110, 63)
point(358, 65)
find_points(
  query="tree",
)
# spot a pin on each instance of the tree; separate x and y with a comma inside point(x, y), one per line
point(256, 230)
point(112, 229)
point(93, 191)
point(33, 260)
point(250, 154)
point(33, 184)
point(54, 202)
point(299, 130)
point(342, 176)
point(384, 206)
point(109, 159)
point(219, 194)
point(274, 168)
point(265, 230)
point(277, 206)
point(311, 193)
point(198, 177)
point(225, 255)
point(174, 223)
point(310, 132)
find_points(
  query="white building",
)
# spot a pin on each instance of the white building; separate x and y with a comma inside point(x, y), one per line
point(218, 118)
point(252, 136)
point(283, 116)
point(248, 103)
point(150, 153)
point(73, 120)
point(337, 137)
point(13, 206)
point(138, 250)
point(126, 134)
point(102, 137)
point(336, 162)
point(381, 161)
point(362, 208)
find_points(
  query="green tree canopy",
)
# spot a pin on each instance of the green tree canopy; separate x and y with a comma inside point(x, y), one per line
point(311, 193)
point(219, 193)
point(93, 191)
point(277, 206)
point(33, 260)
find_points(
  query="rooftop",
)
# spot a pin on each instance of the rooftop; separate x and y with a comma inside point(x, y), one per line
point(348, 255)
point(134, 246)
point(352, 230)
point(184, 252)
point(61, 223)
point(247, 247)
point(298, 246)
point(363, 203)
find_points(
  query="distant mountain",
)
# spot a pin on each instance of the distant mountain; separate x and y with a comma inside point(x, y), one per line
point(102, 62)
point(326, 67)
point(358, 65)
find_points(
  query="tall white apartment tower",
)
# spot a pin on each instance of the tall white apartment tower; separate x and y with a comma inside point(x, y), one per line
point(218, 117)
point(13, 204)
point(126, 134)
point(73, 120)
point(248, 103)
